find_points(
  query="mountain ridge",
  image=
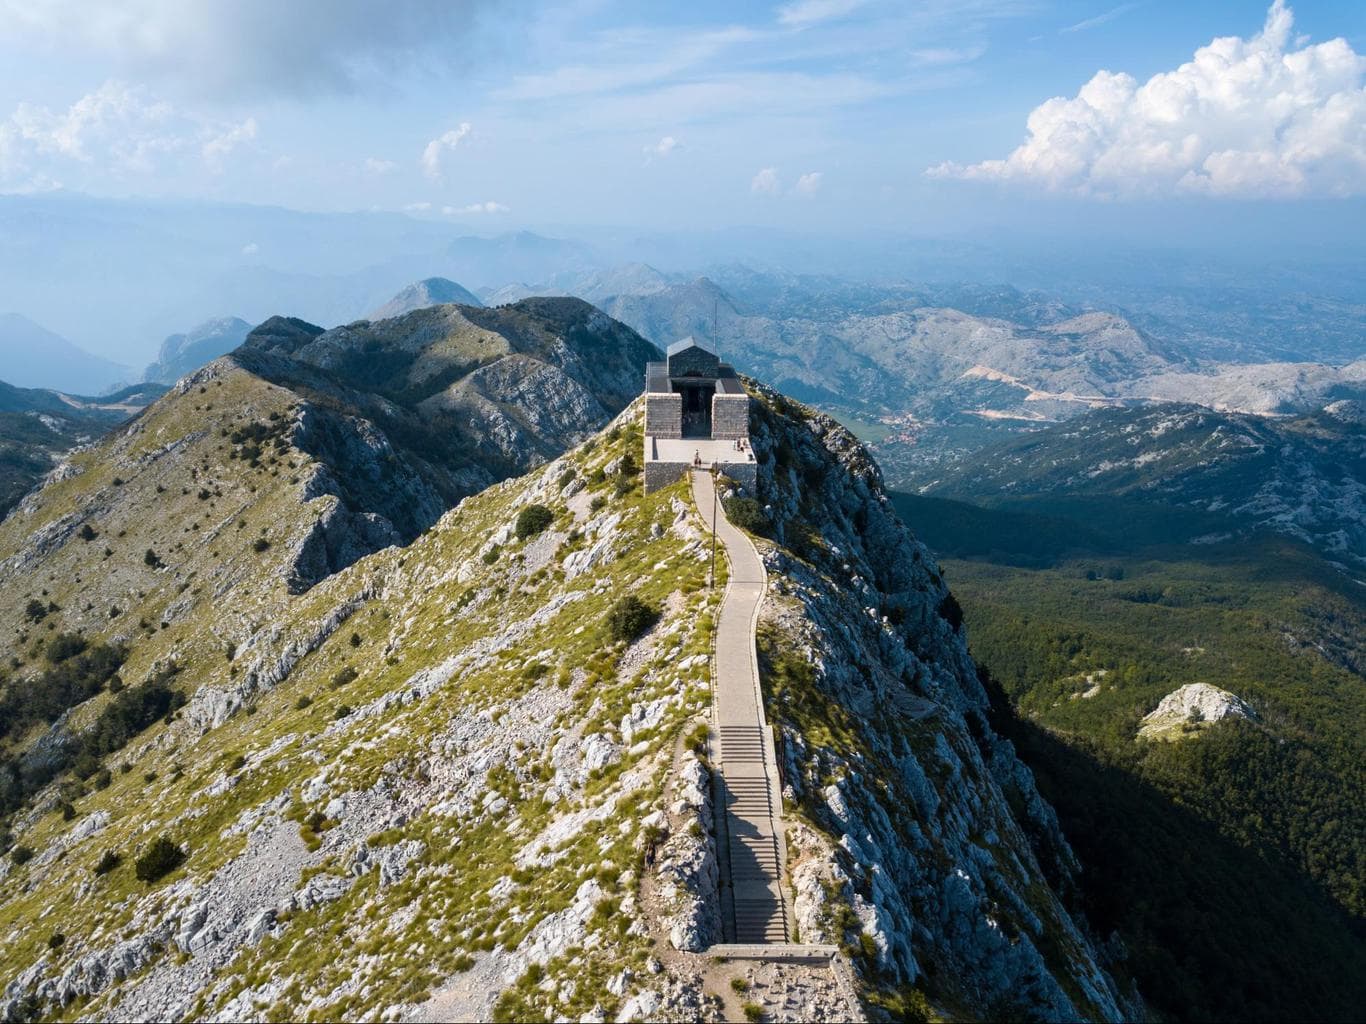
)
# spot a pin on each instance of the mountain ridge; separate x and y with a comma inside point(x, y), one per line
point(337, 751)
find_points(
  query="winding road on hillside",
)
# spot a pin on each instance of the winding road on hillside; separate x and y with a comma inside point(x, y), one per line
point(749, 830)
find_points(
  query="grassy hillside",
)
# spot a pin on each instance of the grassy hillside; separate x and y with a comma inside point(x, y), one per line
point(290, 768)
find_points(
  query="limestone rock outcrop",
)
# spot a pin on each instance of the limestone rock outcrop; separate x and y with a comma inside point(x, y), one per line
point(1190, 706)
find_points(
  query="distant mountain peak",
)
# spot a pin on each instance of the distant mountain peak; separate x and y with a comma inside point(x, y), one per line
point(34, 357)
point(431, 291)
point(184, 353)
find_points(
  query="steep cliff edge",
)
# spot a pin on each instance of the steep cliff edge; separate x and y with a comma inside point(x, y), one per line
point(923, 843)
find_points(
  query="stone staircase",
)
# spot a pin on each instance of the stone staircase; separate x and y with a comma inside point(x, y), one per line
point(755, 857)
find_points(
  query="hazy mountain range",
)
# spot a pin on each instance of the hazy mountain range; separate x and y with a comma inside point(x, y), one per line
point(33, 357)
point(145, 269)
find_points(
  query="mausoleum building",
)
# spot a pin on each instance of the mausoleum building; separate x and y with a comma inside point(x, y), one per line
point(696, 414)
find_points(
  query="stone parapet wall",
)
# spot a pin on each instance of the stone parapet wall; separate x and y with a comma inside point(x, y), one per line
point(664, 415)
point(661, 474)
point(730, 417)
point(746, 474)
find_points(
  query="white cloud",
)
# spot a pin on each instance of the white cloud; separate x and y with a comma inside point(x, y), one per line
point(431, 156)
point(808, 184)
point(220, 145)
point(250, 249)
point(1247, 118)
point(250, 47)
point(811, 12)
point(766, 182)
point(662, 148)
point(374, 165)
point(472, 208)
point(417, 207)
point(117, 130)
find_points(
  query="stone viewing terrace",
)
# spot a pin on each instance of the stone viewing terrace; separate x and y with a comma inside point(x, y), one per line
point(696, 414)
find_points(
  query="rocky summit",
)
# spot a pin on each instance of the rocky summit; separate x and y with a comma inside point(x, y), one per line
point(281, 760)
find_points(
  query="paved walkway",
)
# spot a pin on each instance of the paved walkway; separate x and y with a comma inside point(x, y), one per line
point(750, 833)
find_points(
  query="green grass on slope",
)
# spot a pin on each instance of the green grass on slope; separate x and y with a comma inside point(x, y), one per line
point(1231, 866)
point(441, 597)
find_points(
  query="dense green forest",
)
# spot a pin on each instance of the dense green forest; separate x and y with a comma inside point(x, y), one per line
point(1229, 865)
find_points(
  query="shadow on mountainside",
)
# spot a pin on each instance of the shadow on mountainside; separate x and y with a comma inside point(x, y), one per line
point(1208, 929)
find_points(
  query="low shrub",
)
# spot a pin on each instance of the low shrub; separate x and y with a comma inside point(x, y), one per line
point(159, 860)
point(108, 862)
point(746, 513)
point(533, 520)
point(629, 618)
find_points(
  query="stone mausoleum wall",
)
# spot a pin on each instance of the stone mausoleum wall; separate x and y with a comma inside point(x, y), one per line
point(729, 417)
point(664, 415)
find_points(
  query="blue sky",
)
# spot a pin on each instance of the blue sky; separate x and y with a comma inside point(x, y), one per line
point(813, 114)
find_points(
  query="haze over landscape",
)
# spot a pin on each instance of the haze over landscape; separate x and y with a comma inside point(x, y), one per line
point(351, 590)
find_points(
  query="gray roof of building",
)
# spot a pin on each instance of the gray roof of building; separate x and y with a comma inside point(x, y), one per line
point(688, 342)
point(729, 383)
point(657, 377)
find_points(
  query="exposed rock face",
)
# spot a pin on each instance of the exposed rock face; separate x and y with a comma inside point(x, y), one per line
point(1192, 704)
point(184, 353)
point(1347, 411)
point(930, 830)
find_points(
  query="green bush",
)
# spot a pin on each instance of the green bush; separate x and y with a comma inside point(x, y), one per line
point(160, 859)
point(746, 513)
point(21, 854)
point(533, 520)
point(64, 646)
point(629, 618)
point(108, 862)
point(345, 676)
